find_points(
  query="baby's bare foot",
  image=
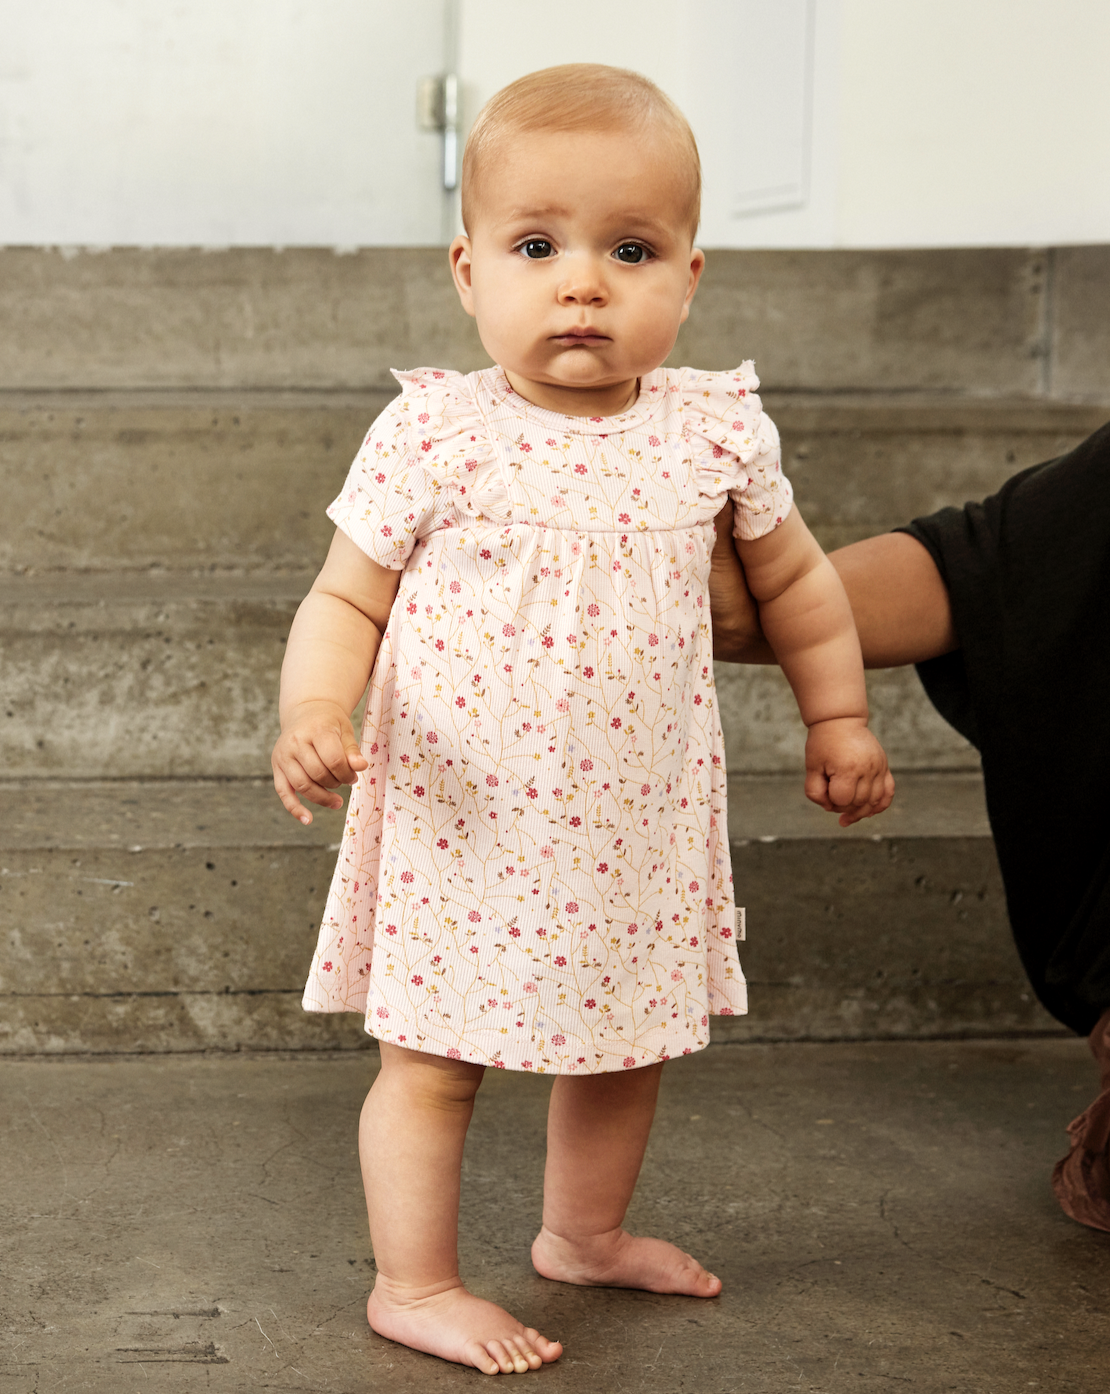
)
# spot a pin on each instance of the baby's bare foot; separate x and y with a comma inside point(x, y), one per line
point(452, 1323)
point(619, 1260)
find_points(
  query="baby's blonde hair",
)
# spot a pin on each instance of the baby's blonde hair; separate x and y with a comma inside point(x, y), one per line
point(578, 97)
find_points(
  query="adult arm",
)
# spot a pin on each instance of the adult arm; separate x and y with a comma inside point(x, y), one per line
point(900, 604)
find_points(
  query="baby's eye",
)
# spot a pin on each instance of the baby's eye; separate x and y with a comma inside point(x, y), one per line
point(631, 253)
point(536, 248)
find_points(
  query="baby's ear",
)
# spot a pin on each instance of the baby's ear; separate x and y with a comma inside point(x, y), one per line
point(459, 256)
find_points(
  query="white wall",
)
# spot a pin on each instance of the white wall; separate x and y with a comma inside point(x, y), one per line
point(974, 122)
point(216, 121)
point(286, 122)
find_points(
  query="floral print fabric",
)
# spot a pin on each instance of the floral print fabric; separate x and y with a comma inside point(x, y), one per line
point(535, 872)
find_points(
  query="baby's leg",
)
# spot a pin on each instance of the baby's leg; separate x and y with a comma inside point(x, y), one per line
point(597, 1130)
point(411, 1138)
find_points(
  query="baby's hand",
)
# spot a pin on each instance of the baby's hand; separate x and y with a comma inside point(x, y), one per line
point(846, 770)
point(316, 752)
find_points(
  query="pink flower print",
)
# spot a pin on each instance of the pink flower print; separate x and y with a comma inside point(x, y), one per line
point(473, 916)
point(558, 1040)
point(586, 765)
point(526, 1064)
point(623, 518)
point(418, 791)
point(387, 531)
point(653, 639)
point(391, 929)
point(560, 961)
point(737, 425)
point(526, 447)
point(455, 587)
point(508, 630)
point(576, 822)
point(580, 469)
point(417, 980)
point(629, 1062)
point(587, 672)
point(717, 452)
point(379, 478)
point(454, 1053)
point(383, 1013)
point(442, 844)
point(491, 780)
point(562, 705)
point(516, 935)
point(589, 1004)
point(548, 642)
point(617, 564)
point(327, 966)
point(676, 975)
point(593, 610)
point(632, 929)
point(693, 941)
point(547, 850)
point(615, 723)
point(423, 418)
point(439, 645)
point(603, 867)
point(404, 759)
point(532, 793)
point(530, 988)
point(557, 793)
point(460, 701)
point(411, 607)
point(438, 959)
point(653, 441)
point(433, 739)
point(645, 788)
point(694, 887)
point(406, 877)
point(425, 445)
point(697, 699)
point(485, 554)
point(572, 907)
point(549, 442)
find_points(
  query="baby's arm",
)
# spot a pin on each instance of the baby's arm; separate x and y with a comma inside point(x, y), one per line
point(331, 650)
point(807, 620)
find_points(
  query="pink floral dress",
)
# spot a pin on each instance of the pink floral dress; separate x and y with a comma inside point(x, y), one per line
point(535, 871)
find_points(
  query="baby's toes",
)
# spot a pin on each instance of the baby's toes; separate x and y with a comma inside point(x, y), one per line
point(487, 1359)
point(509, 1358)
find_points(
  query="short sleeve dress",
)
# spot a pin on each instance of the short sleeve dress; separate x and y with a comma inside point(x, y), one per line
point(534, 872)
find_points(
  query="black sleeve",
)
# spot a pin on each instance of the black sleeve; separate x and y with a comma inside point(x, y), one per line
point(1028, 574)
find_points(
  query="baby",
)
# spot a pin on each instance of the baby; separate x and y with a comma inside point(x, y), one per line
point(535, 869)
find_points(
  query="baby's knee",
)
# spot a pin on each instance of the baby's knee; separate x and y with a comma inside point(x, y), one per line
point(433, 1081)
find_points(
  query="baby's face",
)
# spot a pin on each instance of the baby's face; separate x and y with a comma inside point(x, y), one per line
point(580, 266)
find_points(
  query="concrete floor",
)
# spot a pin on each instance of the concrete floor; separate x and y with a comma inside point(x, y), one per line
point(880, 1214)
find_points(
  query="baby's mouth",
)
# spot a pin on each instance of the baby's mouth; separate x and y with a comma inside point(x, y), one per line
point(585, 337)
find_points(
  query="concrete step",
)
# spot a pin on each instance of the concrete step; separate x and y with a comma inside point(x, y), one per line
point(1026, 322)
point(239, 480)
point(127, 675)
point(181, 915)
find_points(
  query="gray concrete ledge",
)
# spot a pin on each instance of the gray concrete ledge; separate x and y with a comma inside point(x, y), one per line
point(880, 1216)
point(170, 917)
point(1024, 321)
point(239, 480)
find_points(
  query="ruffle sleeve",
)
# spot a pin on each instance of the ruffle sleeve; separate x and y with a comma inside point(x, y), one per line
point(736, 448)
point(426, 463)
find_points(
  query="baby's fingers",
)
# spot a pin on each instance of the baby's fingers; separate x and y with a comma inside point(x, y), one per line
point(288, 795)
point(873, 795)
point(339, 757)
point(817, 790)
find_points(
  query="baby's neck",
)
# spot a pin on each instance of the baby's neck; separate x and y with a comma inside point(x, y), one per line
point(609, 400)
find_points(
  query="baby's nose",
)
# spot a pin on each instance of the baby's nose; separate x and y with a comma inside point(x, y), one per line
point(583, 283)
